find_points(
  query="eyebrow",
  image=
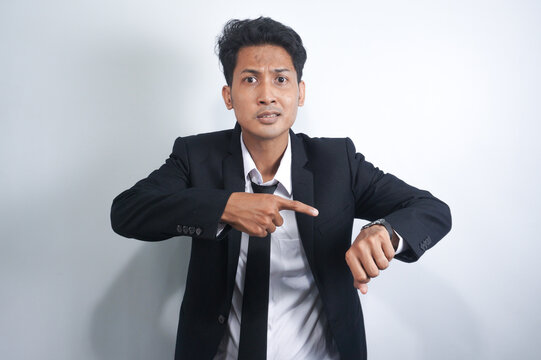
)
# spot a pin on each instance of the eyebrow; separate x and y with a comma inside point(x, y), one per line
point(256, 72)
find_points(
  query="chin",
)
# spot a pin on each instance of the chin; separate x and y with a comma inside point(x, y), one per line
point(268, 134)
point(266, 131)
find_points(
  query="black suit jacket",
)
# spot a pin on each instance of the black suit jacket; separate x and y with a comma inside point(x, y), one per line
point(187, 195)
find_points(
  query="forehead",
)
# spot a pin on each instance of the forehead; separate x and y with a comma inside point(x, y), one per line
point(263, 57)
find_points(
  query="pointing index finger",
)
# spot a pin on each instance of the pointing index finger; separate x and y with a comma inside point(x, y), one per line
point(298, 207)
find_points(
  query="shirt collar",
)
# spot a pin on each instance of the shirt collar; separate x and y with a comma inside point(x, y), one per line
point(283, 175)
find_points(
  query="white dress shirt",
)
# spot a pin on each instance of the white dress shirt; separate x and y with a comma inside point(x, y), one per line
point(297, 326)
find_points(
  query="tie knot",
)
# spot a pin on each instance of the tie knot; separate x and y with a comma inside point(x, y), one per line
point(263, 189)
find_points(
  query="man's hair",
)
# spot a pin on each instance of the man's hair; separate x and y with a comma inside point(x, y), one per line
point(261, 31)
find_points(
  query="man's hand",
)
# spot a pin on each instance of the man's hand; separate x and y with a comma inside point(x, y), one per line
point(258, 214)
point(370, 252)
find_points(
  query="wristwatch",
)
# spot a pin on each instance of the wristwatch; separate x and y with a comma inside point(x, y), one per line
point(381, 222)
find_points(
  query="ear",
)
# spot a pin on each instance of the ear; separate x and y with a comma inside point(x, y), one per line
point(301, 93)
point(226, 94)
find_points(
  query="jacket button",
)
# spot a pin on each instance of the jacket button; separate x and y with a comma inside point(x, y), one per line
point(221, 319)
point(191, 229)
point(185, 229)
point(425, 243)
point(179, 228)
point(198, 231)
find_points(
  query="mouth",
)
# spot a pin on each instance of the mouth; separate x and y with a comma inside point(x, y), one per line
point(268, 116)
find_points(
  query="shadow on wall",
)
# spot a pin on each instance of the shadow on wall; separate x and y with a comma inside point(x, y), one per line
point(135, 81)
point(435, 315)
point(138, 315)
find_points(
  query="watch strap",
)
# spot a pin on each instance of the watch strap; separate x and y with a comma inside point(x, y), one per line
point(383, 222)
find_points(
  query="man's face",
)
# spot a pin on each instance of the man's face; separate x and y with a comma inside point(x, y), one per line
point(264, 92)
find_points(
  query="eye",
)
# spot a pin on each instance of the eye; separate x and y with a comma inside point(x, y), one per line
point(250, 79)
point(281, 79)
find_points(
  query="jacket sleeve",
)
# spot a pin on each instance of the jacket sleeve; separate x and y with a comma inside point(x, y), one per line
point(420, 218)
point(165, 204)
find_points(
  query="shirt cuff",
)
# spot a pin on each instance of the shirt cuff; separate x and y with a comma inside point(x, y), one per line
point(221, 227)
point(402, 245)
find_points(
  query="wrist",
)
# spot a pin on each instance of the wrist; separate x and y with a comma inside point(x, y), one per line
point(228, 213)
point(384, 223)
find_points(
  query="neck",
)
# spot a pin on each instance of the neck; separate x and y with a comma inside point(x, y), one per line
point(266, 154)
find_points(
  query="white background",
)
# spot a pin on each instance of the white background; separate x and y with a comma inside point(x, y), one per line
point(444, 94)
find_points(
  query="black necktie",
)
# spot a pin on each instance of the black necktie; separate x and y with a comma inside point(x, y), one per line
point(255, 298)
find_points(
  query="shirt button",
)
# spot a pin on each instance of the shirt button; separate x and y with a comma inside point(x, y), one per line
point(221, 319)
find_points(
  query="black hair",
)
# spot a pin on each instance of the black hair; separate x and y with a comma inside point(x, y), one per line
point(261, 31)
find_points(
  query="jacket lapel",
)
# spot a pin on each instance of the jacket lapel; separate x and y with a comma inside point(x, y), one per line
point(303, 190)
point(233, 173)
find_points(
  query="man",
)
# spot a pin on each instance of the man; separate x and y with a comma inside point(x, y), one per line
point(272, 271)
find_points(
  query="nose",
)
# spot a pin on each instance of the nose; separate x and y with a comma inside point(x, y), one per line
point(266, 95)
